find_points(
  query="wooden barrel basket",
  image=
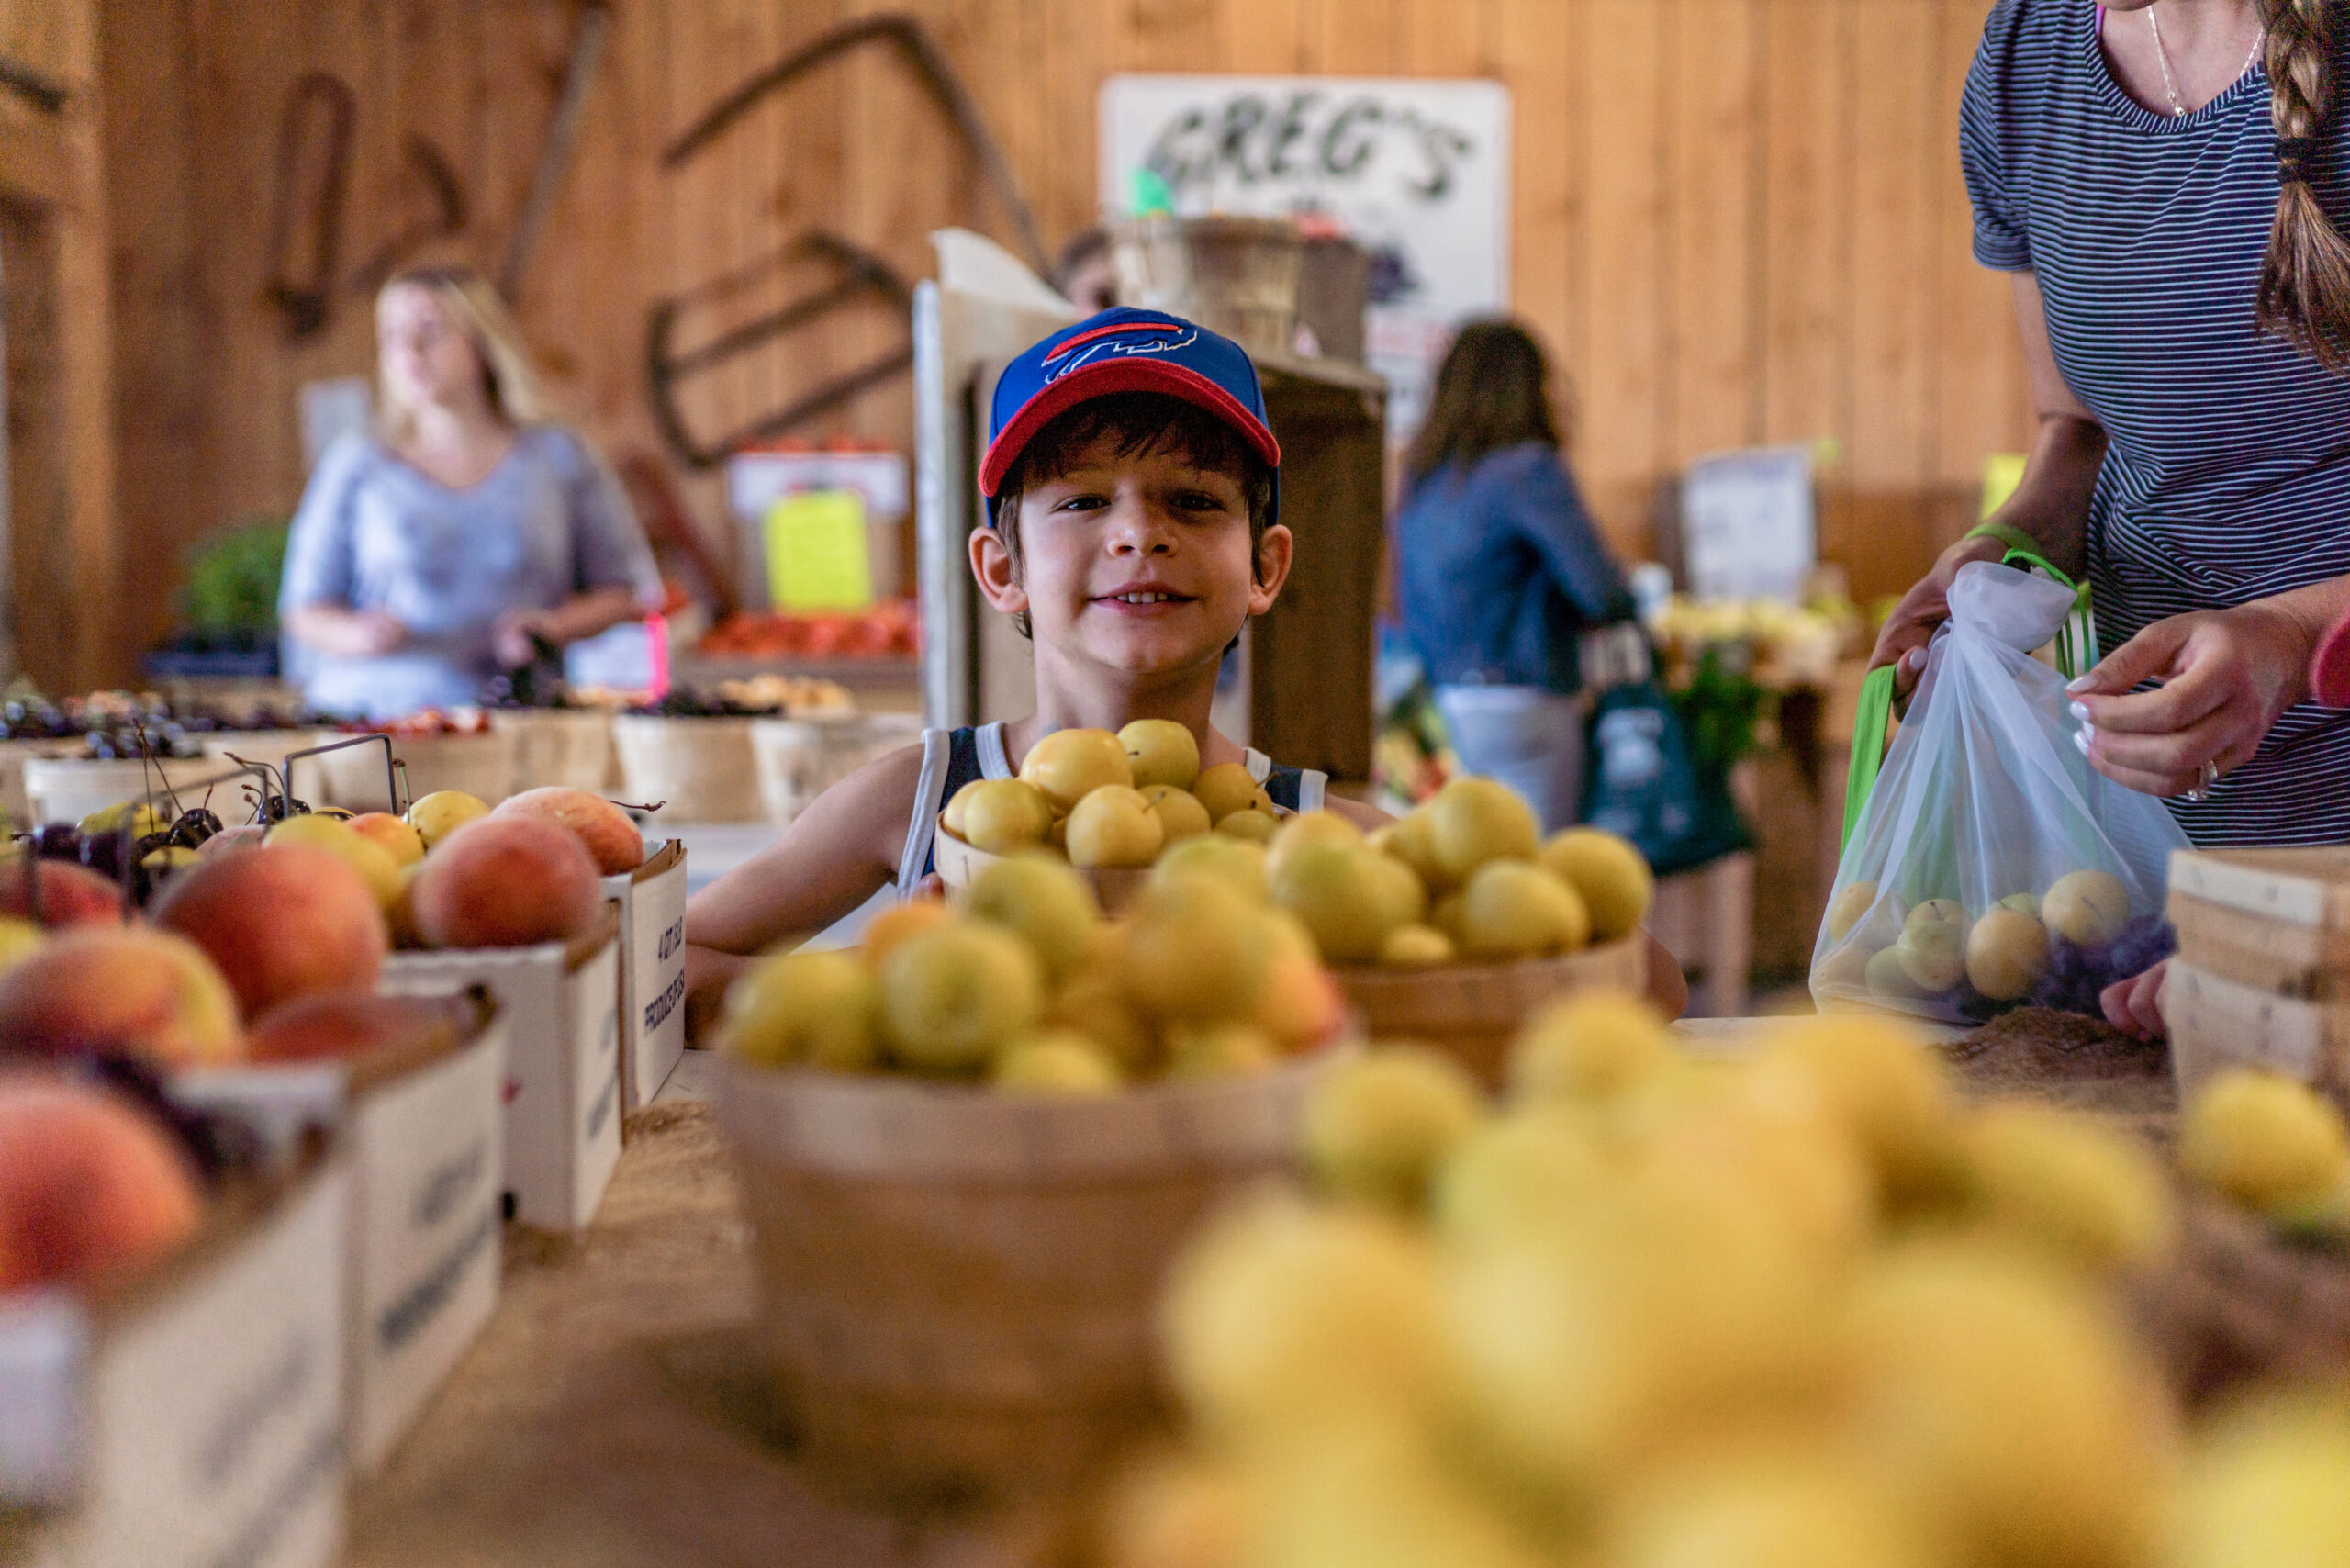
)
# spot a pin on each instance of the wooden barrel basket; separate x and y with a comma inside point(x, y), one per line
point(959, 1287)
point(959, 864)
point(1473, 1012)
point(704, 768)
point(480, 763)
point(568, 746)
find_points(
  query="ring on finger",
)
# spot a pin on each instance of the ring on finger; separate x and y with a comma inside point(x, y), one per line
point(2200, 790)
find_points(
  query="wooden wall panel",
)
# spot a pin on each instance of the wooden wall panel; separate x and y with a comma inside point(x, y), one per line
point(1806, 241)
point(1532, 43)
point(1734, 220)
point(1897, 268)
point(1627, 371)
point(157, 345)
point(41, 34)
point(1716, 248)
point(67, 563)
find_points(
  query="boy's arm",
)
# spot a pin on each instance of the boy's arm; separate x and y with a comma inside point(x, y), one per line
point(830, 860)
point(1363, 814)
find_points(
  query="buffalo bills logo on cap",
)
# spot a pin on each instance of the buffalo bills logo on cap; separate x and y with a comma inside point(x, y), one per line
point(1119, 338)
point(1123, 350)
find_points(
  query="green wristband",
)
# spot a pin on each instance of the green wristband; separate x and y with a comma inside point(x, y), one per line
point(2008, 534)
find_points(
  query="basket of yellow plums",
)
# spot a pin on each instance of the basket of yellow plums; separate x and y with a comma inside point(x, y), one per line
point(1108, 805)
point(1455, 924)
point(970, 1148)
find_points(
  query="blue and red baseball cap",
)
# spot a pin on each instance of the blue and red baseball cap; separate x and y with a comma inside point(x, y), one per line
point(1123, 349)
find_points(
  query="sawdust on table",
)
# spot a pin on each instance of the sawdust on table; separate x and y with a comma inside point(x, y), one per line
point(611, 1415)
point(2083, 1063)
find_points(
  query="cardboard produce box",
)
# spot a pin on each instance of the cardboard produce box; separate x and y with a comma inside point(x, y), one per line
point(652, 901)
point(423, 1122)
point(194, 1417)
point(560, 1004)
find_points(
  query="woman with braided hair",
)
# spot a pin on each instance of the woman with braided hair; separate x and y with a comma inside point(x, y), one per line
point(2168, 184)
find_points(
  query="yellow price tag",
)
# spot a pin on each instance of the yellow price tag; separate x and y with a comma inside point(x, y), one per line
point(816, 553)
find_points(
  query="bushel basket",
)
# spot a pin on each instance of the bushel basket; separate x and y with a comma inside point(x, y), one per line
point(1473, 1012)
point(960, 1286)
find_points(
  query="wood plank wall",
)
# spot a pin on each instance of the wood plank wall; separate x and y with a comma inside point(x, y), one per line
point(1736, 220)
point(63, 543)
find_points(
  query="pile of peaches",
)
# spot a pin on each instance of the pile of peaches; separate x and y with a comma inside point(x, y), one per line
point(267, 948)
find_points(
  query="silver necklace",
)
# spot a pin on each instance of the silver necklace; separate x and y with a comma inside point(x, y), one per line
point(2162, 58)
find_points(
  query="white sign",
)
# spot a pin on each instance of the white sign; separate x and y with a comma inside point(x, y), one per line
point(1748, 523)
point(1416, 172)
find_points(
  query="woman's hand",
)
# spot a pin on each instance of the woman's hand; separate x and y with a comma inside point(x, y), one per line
point(354, 633)
point(377, 632)
point(511, 640)
point(2135, 1006)
point(2226, 676)
point(584, 615)
point(1902, 642)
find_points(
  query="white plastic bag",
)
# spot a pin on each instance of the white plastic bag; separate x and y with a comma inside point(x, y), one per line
point(1991, 867)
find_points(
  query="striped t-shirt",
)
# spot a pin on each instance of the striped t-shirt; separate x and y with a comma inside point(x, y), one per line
point(2228, 474)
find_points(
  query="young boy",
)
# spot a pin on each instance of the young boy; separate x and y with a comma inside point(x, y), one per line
point(1133, 500)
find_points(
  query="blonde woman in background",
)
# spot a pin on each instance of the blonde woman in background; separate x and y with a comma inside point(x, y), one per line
point(427, 554)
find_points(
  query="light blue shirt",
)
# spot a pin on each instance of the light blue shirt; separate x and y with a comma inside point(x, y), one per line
point(548, 523)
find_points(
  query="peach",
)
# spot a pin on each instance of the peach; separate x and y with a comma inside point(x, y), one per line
point(351, 1023)
point(507, 882)
point(128, 989)
point(70, 894)
point(282, 920)
point(89, 1185)
point(612, 840)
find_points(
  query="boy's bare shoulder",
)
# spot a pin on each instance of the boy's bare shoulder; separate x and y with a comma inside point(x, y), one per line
point(881, 793)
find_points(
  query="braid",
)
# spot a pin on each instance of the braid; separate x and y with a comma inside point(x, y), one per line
point(2305, 282)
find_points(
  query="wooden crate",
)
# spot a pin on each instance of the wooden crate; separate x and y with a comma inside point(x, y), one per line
point(2217, 1023)
point(2274, 920)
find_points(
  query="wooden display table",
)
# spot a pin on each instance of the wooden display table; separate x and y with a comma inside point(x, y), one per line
point(613, 1416)
point(608, 1415)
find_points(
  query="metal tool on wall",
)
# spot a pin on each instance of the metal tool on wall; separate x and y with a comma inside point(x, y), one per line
point(858, 276)
point(313, 172)
point(670, 529)
point(554, 157)
point(44, 92)
point(930, 64)
point(447, 217)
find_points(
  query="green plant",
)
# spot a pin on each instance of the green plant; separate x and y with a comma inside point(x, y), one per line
point(232, 577)
point(1721, 708)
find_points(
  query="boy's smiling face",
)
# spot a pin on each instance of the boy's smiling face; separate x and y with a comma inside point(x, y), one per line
point(1137, 563)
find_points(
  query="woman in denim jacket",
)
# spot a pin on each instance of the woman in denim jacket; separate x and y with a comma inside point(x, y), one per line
point(1499, 571)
